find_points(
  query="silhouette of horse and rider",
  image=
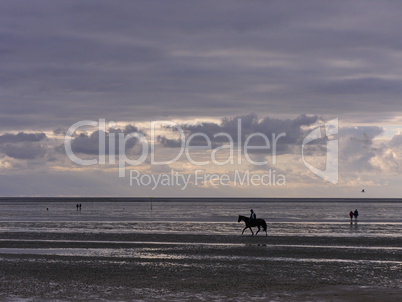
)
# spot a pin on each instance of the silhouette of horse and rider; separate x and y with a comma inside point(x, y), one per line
point(253, 222)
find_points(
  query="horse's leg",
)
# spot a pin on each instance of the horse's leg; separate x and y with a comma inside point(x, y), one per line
point(258, 230)
point(252, 233)
point(244, 230)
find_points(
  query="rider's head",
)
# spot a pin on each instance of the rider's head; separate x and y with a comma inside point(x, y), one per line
point(251, 211)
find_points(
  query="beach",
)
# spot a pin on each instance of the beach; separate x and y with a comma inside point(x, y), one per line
point(55, 266)
point(193, 250)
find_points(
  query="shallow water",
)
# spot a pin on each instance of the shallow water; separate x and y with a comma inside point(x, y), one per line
point(201, 217)
point(177, 250)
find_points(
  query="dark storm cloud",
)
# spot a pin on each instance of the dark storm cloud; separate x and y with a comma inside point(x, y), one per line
point(285, 132)
point(136, 60)
point(169, 143)
point(21, 137)
point(88, 143)
point(23, 150)
point(23, 145)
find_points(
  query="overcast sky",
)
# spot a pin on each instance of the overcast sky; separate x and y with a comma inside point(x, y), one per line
point(278, 66)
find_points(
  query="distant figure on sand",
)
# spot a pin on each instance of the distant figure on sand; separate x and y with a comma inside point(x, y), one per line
point(252, 215)
point(351, 215)
point(356, 213)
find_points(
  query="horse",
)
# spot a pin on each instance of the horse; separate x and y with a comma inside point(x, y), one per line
point(253, 223)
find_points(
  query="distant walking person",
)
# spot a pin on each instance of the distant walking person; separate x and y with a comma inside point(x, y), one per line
point(252, 215)
point(356, 213)
point(351, 215)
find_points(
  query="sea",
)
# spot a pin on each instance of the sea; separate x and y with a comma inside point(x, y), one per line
point(296, 217)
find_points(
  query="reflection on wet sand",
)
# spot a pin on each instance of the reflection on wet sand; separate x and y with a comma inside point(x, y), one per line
point(197, 267)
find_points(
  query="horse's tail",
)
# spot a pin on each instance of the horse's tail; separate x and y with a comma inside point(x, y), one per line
point(264, 225)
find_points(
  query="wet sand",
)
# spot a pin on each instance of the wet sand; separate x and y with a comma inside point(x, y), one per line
point(187, 267)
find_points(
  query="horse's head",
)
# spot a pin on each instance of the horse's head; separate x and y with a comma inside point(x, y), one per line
point(238, 220)
point(241, 218)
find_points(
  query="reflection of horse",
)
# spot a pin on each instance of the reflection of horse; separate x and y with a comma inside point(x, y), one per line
point(253, 223)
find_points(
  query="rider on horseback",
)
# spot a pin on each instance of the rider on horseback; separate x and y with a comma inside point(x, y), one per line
point(253, 217)
point(253, 222)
